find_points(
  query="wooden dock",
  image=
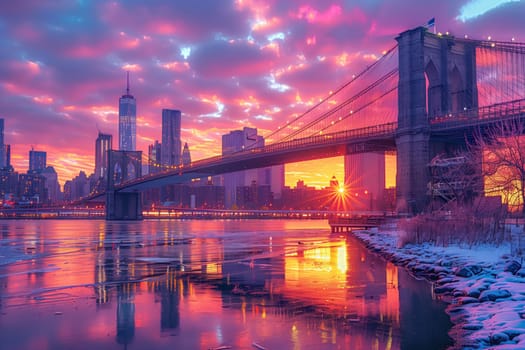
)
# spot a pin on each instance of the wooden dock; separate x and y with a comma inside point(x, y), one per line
point(347, 224)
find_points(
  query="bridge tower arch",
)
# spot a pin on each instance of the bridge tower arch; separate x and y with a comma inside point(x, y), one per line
point(123, 166)
point(437, 77)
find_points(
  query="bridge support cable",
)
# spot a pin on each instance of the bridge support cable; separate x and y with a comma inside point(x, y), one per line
point(368, 104)
point(500, 72)
point(500, 83)
point(344, 93)
point(323, 121)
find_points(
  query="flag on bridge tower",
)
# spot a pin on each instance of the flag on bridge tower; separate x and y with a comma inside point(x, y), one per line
point(431, 23)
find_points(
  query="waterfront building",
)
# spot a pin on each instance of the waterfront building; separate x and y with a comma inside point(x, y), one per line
point(186, 156)
point(171, 144)
point(300, 197)
point(37, 161)
point(31, 188)
point(103, 144)
point(208, 196)
point(254, 196)
point(127, 120)
point(8, 183)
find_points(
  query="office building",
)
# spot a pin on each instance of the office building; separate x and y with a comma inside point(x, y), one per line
point(8, 183)
point(76, 188)
point(365, 180)
point(51, 185)
point(186, 156)
point(7, 152)
point(103, 144)
point(242, 140)
point(31, 188)
point(151, 196)
point(154, 157)
point(3, 162)
point(127, 121)
point(37, 161)
point(171, 144)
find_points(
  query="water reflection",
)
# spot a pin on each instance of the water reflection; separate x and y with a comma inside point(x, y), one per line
point(203, 284)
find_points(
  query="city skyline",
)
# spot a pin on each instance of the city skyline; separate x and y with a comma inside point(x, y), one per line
point(225, 66)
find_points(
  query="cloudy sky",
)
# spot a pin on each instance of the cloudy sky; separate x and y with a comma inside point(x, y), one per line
point(224, 63)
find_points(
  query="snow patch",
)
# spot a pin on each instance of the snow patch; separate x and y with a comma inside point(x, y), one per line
point(484, 285)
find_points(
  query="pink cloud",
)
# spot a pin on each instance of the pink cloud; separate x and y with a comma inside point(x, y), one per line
point(62, 63)
point(332, 14)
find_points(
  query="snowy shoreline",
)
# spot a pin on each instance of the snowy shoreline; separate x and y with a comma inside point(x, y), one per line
point(483, 285)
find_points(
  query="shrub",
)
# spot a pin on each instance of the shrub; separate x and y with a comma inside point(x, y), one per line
point(459, 225)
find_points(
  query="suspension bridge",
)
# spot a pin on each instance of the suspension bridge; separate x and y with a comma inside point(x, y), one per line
point(420, 99)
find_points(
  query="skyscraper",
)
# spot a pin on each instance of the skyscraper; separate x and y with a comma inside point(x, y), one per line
point(171, 145)
point(154, 157)
point(7, 160)
point(240, 140)
point(2, 145)
point(37, 161)
point(51, 184)
point(103, 144)
point(5, 150)
point(127, 121)
point(365, 176)
point(186, 156)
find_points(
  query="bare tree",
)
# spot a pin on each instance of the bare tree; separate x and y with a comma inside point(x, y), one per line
point(502, 149)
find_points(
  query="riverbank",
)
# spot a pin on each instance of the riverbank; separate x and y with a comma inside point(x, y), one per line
point(484, 286)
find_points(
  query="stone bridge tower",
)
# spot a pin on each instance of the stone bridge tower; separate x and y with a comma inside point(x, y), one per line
point(437, 77)
point(123, 166)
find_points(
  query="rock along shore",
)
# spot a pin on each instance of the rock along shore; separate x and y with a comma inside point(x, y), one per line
point(485, 287)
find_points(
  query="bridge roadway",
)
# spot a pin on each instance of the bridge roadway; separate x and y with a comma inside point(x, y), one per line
point(368, 139)
point(372, 138)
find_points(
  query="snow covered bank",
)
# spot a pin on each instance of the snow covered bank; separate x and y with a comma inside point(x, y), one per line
point(484, 285)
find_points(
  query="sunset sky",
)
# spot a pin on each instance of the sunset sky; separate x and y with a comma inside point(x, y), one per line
point(224, 64)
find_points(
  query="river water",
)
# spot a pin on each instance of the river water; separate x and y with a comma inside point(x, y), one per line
point(245, 284)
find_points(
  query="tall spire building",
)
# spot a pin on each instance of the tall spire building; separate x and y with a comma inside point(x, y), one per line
point(127, 121)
